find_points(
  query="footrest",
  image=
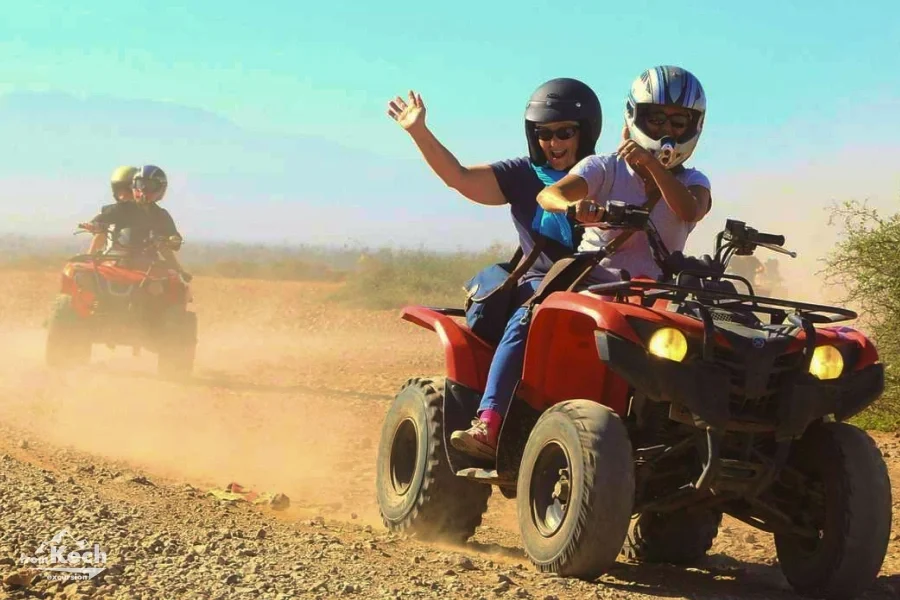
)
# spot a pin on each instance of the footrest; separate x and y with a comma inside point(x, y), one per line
point(485, 476)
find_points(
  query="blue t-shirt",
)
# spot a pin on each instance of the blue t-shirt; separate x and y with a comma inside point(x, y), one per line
point(520, 186)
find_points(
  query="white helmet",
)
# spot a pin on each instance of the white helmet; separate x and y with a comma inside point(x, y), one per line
point(666, 86)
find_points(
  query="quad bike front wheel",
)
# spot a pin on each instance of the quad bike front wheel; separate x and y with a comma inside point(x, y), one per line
point(416, 490)
point(575, 490)
point(680, 537)
point(68, 341)
point(178, 344)
point(847, 498)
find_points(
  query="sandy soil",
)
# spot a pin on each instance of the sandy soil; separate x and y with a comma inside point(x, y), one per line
point(288, 396)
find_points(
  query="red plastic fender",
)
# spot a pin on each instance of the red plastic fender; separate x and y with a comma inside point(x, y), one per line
point(561, 358)
point(868, 354)
point(467, 356)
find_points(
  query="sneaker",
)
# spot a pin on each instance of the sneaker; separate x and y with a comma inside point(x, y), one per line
point(476, 441)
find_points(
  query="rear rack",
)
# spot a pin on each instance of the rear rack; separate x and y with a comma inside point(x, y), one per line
point(450, 312)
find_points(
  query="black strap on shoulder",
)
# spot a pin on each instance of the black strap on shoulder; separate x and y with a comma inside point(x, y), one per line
point(567, 273)
point(522, 264)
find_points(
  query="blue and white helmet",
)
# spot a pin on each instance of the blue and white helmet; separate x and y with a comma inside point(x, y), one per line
point(666, 86)
point(150, 179)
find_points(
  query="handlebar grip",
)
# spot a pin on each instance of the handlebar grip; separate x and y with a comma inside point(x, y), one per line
point(768, 238)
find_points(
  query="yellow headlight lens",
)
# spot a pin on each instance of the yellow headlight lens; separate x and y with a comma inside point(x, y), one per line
point(668, 343)
point(827, 363)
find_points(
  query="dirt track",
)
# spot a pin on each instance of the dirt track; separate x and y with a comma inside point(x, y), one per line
point(288, 397)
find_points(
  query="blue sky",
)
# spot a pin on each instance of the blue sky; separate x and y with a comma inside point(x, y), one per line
point(790, 85)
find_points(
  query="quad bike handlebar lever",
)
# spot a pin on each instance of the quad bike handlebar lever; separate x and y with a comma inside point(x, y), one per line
point(779, 249)
point(89, 227)
point(743, 240)
point(626, 216)
point(738, 233)
point(764, 239)
point(619, 215)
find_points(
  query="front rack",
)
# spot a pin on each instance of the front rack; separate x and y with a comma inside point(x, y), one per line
point(721, 299)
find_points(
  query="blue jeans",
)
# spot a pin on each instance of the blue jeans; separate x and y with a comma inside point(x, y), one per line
point(506, 366)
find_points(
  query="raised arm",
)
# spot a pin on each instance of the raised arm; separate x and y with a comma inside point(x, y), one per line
point(478, 183)
point(690, 203)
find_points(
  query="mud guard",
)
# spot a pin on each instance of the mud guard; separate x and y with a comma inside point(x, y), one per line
point(561, 343)
point(467, 356)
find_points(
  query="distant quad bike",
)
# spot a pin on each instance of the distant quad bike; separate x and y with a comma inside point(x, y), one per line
point(123, 296)
point(646, 410)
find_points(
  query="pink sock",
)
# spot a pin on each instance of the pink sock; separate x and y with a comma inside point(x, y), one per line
point(493, 420)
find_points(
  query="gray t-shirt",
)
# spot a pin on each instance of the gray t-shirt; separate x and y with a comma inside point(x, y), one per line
point(610, 178)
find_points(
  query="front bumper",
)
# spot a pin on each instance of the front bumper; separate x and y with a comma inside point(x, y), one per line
point(705, 388)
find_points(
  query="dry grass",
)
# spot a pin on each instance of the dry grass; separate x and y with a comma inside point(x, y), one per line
point(326, 314)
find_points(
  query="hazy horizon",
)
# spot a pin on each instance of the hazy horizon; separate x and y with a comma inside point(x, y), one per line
point(273, 129)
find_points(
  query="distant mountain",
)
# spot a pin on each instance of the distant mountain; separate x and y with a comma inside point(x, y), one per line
point(57, 150)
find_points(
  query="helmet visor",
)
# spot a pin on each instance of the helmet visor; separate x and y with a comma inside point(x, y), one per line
point(651, 120)
point(147, 185)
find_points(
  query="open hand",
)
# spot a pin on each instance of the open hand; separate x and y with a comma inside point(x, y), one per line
point(410, 116)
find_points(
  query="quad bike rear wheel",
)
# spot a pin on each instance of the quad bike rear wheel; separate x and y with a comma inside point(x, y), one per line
point(679, 538)
point(848, 499)
point(178, 344)
point(576, 489)
point(416, 490)
point(68, 339)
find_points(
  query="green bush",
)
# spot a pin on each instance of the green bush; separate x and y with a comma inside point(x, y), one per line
point(866, 264)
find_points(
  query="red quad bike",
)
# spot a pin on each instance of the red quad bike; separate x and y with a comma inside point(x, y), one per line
point(646, 410)
point(124, 296)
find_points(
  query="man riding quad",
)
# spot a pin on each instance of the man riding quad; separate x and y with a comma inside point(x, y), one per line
point(143, 217)
point(120, 182)
point(664, 118)
point(133, 293)
point(748, 267)
point(646, 407)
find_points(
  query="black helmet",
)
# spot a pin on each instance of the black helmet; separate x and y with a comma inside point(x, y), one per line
point(564, 99)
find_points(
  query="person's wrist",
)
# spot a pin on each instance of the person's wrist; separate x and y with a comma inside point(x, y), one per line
point(417, 131)
point(654, 167)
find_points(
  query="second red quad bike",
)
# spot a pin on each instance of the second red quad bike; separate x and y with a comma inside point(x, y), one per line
point(126, 296)
point(646, 410)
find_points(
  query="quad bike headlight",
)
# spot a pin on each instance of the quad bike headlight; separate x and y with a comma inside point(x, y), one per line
point(827, 363)
point(668, 343)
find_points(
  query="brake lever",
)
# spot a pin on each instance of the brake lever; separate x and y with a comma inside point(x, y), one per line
point(594, 254)
point(605, 226)
point(779, 249)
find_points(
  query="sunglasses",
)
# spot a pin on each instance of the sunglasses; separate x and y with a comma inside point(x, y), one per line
point(563, 133)
point(147, 186)
point(660, 118)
